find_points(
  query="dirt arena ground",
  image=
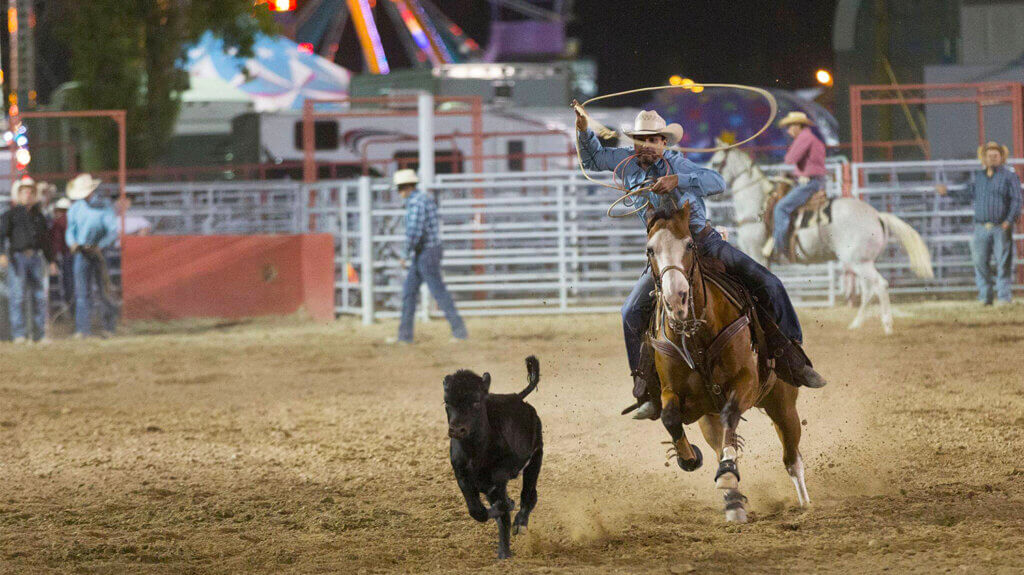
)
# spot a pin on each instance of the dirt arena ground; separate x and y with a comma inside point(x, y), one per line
point(281, 447)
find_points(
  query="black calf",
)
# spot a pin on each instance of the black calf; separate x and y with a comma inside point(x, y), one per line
point(493, 438)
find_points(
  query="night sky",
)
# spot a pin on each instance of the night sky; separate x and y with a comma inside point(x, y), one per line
point(635, 44)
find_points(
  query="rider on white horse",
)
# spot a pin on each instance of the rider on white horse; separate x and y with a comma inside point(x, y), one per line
point(807, 155)
point(685, 181)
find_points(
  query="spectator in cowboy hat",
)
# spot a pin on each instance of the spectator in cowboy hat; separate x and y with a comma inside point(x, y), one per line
point(26, 251)
point(422, 256)
point(995, 191)
point(92, 226)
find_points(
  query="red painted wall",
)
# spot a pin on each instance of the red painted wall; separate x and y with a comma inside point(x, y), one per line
point(172, 277)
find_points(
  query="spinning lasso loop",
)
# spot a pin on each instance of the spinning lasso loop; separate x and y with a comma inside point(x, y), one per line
point(629, 194)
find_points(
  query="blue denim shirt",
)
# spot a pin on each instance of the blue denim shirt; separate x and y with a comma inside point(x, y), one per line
point(695, 182)
point(996, 199)
point(91, 222)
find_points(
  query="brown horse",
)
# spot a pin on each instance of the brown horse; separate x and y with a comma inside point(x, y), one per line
point(707, 363)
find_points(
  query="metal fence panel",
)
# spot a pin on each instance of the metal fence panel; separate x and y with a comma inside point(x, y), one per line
point(907, 189)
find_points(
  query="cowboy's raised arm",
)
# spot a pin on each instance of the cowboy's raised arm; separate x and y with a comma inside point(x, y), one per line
point(597, 157)
point(702, 181)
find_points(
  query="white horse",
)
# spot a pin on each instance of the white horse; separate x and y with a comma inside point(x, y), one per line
point(855, 237)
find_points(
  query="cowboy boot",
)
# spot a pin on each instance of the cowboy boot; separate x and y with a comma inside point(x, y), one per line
point(648, 404)
point(794, 367)
point(791, 363)
point(647, 399)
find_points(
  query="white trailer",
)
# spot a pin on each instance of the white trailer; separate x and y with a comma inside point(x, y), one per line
point(526, 140)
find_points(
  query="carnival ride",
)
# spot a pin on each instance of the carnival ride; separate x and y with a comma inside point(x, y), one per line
point(428, 37)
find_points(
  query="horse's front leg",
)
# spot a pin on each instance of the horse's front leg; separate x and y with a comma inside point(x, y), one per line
point(728, 476)
point(688, 456)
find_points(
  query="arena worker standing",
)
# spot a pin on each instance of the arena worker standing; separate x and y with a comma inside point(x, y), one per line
point(422, 257)
point(92, 227)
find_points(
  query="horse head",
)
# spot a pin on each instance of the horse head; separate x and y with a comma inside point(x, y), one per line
point(717, 162)
point(732, 164)
point(672, 253)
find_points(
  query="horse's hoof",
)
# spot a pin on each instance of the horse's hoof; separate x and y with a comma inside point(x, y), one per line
point(691, 464)
point(736, 516)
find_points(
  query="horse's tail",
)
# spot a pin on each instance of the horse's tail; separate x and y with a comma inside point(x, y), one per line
point(920, 257)
point(532, 376)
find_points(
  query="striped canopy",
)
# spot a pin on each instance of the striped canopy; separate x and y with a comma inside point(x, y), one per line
point(279, 77)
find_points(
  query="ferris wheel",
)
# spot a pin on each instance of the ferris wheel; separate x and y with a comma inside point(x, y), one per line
point(428, 37)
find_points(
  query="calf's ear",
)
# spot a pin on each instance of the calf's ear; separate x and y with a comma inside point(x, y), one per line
point(487, 382)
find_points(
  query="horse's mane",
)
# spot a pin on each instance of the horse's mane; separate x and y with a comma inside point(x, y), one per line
point(668, 214)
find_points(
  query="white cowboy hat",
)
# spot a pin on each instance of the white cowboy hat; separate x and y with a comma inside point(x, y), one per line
point(80, 187)
point(403, 177)
point(25, 182)
point(795, 118)
point(63, 204)
point(649, 123)
point(992, 146)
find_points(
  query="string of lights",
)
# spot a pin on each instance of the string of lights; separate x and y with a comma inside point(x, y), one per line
point(15, 135)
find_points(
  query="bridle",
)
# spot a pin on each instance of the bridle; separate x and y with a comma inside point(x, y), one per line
point(688, 327)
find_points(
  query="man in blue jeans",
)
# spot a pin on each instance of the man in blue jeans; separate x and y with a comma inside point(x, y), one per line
point(422, 257)
point(996, 194)
point(92, 227)
point(27, 249)
point(683, 181)
point(807, 156)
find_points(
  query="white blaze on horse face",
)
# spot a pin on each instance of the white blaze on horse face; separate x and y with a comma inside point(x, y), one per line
point(667, 250)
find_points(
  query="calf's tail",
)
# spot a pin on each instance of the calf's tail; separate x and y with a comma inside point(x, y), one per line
point(532, 376)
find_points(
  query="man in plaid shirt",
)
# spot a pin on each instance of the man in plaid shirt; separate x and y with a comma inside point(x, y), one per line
point(422, 257)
